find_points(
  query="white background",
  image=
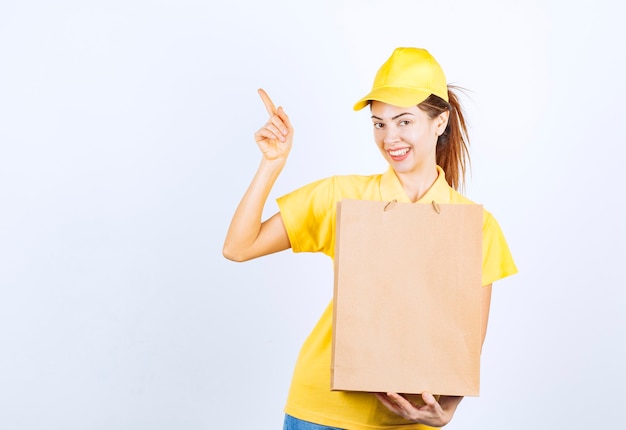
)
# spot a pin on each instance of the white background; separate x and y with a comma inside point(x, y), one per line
point(126, 142)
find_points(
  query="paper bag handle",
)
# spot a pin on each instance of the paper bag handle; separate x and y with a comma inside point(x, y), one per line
point(392, 203)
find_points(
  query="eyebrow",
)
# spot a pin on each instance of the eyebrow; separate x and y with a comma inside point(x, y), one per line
point(394, 118)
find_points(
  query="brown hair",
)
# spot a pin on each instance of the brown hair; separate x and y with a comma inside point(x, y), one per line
point(452, 145)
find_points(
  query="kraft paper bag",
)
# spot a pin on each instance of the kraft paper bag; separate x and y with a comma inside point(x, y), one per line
point(407, 298)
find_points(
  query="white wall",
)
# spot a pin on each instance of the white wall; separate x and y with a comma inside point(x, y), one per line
point(126, 141)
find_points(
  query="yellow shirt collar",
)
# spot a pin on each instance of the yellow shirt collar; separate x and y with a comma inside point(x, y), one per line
point(391, 189)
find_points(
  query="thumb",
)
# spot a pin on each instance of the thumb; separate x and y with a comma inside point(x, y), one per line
point(428, 398)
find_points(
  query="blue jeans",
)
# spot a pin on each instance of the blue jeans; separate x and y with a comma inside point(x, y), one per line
point(292, 423)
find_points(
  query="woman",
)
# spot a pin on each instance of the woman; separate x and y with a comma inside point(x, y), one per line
point(419, 128)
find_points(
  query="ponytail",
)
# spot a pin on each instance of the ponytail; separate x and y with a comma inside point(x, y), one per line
point(452, 145)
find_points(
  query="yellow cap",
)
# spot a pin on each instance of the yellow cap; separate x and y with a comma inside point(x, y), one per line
point(406, 79)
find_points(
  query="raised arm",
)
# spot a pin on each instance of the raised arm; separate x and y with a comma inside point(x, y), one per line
point(248, 236)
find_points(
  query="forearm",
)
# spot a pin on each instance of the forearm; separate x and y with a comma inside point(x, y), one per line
point(241, 241)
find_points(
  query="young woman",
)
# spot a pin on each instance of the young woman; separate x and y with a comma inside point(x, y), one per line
point(419, 128)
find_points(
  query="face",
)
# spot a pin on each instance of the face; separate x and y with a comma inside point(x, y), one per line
point(407, 137)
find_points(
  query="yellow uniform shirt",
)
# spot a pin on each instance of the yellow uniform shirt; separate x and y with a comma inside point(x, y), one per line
point(309, 215)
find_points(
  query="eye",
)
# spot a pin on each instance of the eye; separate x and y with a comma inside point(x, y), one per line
point(404, 122)
point(378, 125)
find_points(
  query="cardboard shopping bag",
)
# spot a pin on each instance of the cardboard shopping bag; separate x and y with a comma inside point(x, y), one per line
point(407, 298)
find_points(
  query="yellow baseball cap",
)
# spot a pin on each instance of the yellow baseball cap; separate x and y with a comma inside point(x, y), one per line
point(406, 79)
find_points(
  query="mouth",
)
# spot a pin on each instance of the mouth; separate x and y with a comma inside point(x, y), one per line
point(398, 153)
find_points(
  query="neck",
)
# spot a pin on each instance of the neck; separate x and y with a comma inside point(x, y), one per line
point(416, 184)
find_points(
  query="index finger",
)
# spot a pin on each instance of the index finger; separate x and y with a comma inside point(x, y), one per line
point(269, 106)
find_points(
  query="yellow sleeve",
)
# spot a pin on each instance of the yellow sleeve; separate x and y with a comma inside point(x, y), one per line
point(309, 216)
point(497, 259)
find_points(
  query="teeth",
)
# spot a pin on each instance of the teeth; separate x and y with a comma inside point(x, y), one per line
point(399, 152)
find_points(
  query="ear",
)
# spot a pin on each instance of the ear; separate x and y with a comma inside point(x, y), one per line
point(441, 122)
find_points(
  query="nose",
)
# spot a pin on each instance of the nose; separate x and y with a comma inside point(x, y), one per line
point(391, 135)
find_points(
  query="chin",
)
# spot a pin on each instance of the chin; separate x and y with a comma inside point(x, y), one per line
point(401, 168)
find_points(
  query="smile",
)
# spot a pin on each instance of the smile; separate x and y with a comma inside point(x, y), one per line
point(398, 152)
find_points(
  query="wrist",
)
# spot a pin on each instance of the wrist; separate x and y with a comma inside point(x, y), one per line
point(272, 166)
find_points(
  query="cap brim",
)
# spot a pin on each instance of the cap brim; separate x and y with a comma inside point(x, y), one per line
point(403, 97)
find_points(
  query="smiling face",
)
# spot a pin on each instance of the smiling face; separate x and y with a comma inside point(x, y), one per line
point(407, 137)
